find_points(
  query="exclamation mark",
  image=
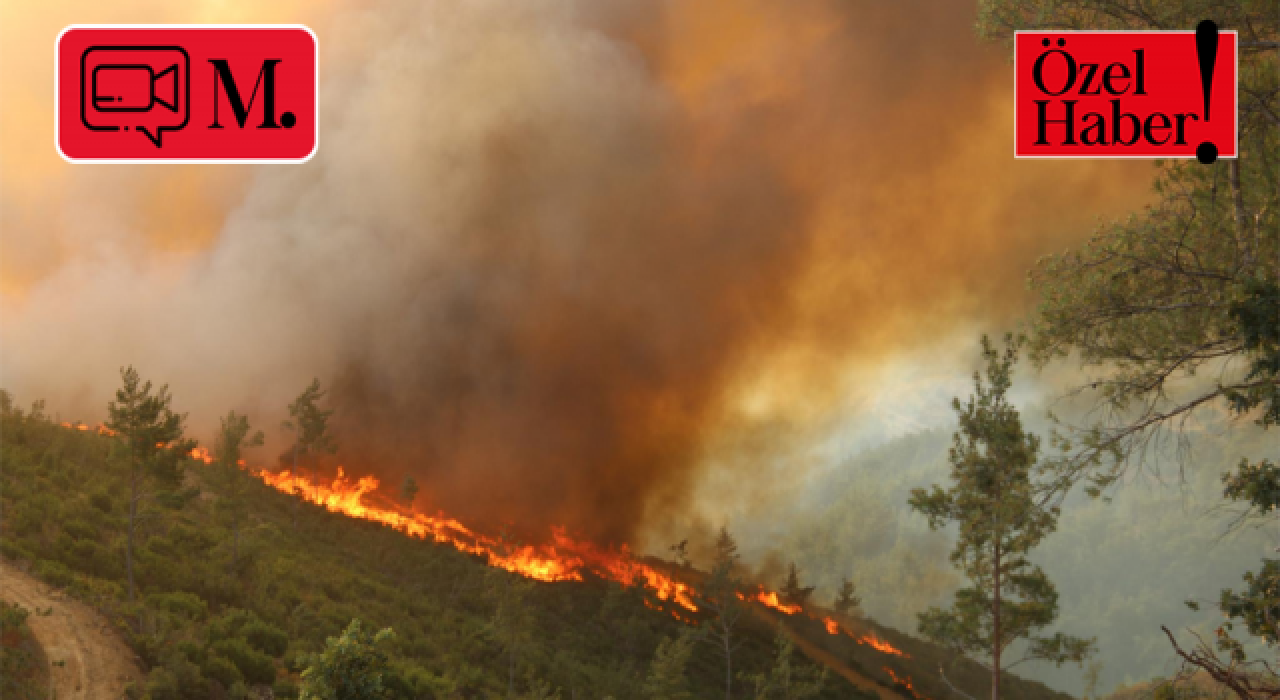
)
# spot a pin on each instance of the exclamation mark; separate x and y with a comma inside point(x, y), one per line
point(1207, 52)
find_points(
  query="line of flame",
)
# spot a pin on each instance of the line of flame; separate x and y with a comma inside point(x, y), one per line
point(770, 599)
point(564, 559)
point(880, 645)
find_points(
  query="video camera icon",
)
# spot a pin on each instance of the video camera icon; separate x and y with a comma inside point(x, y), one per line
point(143, 88)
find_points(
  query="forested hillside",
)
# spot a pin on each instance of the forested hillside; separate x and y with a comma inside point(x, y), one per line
point(217, 615)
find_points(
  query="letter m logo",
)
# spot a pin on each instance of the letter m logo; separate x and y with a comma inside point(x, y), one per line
point(266, 82)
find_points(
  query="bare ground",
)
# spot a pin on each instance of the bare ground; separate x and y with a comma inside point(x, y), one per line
point(88, 661)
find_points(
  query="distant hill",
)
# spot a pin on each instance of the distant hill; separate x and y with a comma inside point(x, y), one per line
point(1122, 568)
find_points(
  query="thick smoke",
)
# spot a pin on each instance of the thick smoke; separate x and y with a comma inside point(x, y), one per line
point(553, 257)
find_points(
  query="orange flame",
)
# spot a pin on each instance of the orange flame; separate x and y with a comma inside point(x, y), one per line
point(564, 559)
point(770, 599)
point(881, 645)
point(904, 682)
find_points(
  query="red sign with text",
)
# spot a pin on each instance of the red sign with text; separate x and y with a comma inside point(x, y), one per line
point(1126, 94)
point(187, 93)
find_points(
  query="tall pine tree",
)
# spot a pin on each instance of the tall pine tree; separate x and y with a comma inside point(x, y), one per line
point(228, 449)
point(720, 596)
point(153, 447)
point(310, 427)
point(994, 502)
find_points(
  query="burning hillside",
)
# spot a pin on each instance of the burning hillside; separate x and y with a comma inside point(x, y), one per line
point(563, 558)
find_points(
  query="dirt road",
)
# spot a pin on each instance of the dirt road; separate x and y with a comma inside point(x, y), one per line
point(89, 662)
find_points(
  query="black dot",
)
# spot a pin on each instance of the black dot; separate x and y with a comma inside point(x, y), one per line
point(1045, 42)
point(288, 120)
point(1062, 42)
point(1206, 153)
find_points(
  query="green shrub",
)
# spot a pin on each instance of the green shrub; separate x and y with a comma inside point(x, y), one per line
point(191, 652)
point(46, 507)
point(285, 689)
point(229, 623)
point(23, 666)
point(92, 558)
point(177, 679)
point(265, 638)
point(190, 539)
point(54, 573)
point(222, 671)
point(255, 666)
point(353, 662)
point(163, 547)
point(80, 530)
point(101, 501)
point(13, 551)
point(23, 520)
point(181, 603)
point(177, 500)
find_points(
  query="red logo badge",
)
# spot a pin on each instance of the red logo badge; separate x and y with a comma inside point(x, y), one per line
point(187, 93)
point(1126, 94)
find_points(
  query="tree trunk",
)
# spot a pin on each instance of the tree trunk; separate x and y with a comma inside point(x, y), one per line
point(297, 497)
point(1238, 216)
point(995, 627)
point(728, 666)
point(511, 675)
point(133, 513)
point(235, 543)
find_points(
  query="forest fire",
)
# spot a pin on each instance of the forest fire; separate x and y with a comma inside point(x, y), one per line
point(564, 559)
point(904, 682)
point(770, 599)
point(880, 645)
point(342, 495)
point(101, 429)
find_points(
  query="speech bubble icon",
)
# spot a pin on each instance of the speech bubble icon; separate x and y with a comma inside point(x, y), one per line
point(146, 88)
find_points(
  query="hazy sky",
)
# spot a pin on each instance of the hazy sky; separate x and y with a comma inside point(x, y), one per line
point(570, 261)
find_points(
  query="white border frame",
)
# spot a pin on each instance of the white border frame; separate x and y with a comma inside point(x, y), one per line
point(57, 69)
point(1235, 94)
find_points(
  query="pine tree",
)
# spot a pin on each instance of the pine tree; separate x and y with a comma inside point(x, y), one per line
point(409, 490)
point(153, 446)
point(792, 591)
point(847, 599)
point(310, 427)
point(512, 624)
point(228, 449)
point(786, 681)
point(995, 503)
point(351, 667)
point(720, 597)
point(666, 679)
